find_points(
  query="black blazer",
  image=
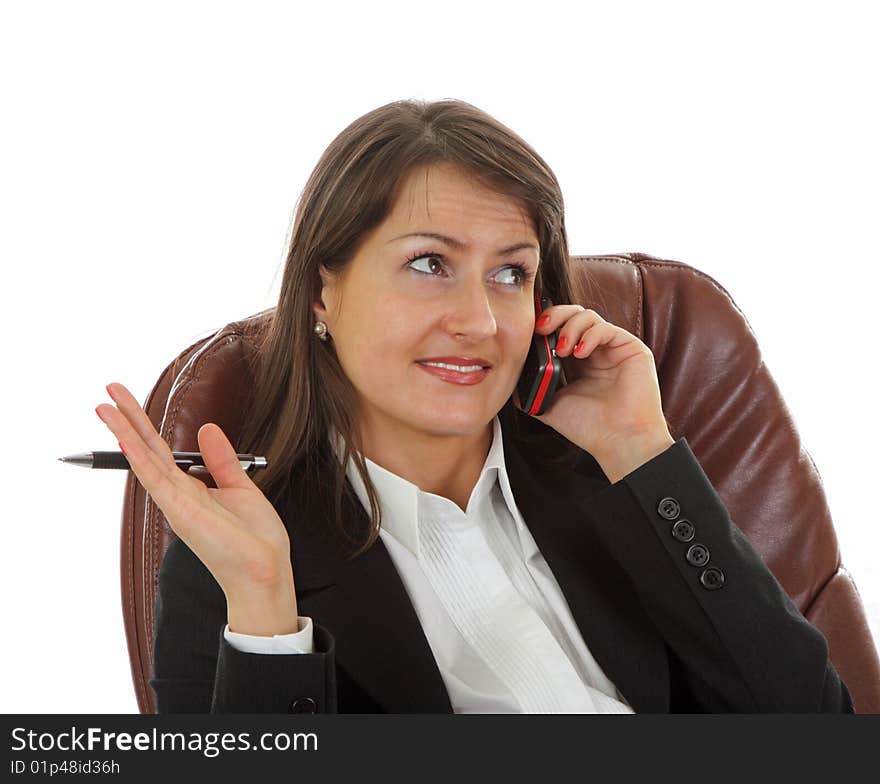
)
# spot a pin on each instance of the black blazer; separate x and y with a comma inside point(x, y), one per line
point(655, 615)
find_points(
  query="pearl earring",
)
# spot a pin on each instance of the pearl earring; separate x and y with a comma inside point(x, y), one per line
point(321, 330)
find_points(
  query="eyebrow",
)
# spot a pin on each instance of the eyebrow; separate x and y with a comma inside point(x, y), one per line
point(459, 244)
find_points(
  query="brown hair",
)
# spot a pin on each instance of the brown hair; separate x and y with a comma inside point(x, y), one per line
point(299, 389)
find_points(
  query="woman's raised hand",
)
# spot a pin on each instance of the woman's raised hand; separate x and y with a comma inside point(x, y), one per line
point(611, 406)
point(233, 529)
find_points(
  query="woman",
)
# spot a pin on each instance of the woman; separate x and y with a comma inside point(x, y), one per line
point(477, 558)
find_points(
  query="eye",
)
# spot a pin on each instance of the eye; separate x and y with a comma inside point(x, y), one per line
point(420, 256)
point(522, 273)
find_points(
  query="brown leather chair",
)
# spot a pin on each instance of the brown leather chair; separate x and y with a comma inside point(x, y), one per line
point(716, 392)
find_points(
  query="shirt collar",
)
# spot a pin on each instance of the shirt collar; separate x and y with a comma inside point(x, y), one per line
point(402, 502)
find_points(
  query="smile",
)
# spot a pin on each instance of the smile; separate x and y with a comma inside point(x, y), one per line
point(455, 374)
point(459, 368)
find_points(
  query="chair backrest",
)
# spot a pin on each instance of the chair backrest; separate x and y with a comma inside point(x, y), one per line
point(716, 392)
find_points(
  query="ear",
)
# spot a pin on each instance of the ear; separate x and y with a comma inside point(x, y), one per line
point(320, 305)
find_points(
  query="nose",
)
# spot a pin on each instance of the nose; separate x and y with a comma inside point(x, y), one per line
point(470, 314)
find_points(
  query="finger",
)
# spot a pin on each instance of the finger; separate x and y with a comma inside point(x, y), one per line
point(180, 497)
point(608, 336)
point(221, 459)
point(558, 315)
point(141, 423)
point(159, 480)
point(594, 336)
point(572, 330)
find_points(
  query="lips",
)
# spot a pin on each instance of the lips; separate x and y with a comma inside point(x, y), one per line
point(460, 361)
point(452, 376)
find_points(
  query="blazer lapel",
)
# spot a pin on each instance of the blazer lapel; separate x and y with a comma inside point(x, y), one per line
point(363, 603)
point(612, 621)
point(380, 642)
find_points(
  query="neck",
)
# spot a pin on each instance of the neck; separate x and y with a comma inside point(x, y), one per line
point(445, 465)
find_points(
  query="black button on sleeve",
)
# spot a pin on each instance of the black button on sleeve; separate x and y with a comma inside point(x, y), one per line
point(698, 555)
point(712, 578)
point(303, 705)
point(684, 530)
point(668, 508)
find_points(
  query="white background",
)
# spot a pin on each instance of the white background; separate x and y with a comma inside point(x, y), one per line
point(152, 154)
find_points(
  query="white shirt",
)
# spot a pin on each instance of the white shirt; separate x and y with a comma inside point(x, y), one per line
point(494, 616)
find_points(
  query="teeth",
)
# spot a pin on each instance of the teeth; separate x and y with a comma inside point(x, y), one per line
point(459, 368)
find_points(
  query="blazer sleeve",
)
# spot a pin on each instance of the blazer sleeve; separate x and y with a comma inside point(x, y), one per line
point(196, 670)
point(737, 640)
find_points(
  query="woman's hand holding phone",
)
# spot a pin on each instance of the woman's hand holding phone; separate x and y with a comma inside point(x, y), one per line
point(611, 405)
point(233, 528)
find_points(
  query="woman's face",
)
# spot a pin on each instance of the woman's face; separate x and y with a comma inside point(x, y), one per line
point(463, 298)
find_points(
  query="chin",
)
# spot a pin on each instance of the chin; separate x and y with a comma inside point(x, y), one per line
point(448, 420)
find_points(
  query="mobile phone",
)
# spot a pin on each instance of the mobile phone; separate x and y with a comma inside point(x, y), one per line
point(542, 372)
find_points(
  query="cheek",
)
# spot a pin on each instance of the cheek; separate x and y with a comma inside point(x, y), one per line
point(397, 332)
point(379, 334)
point(522, 341)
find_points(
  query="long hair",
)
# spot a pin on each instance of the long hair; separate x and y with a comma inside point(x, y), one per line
point(300, 392)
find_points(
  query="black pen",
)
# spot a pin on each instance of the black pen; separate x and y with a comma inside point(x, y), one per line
point(185, 460)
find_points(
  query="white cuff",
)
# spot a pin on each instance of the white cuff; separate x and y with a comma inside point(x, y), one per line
point(295, 642)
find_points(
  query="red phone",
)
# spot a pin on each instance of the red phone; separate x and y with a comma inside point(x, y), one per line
point(542, 372)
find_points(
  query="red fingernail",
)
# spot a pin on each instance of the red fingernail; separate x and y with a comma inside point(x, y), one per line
point(122, 448)
point(578, 347)
point(100, 415)
point(543, 320)
point(560, 344)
